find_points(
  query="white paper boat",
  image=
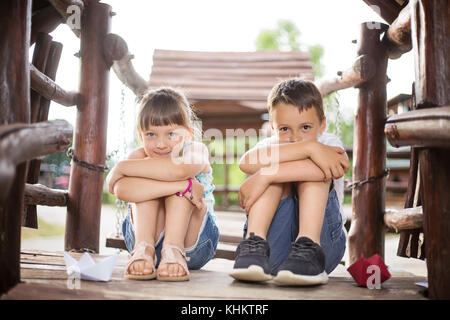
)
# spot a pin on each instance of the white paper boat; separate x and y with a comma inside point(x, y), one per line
point(88, 269)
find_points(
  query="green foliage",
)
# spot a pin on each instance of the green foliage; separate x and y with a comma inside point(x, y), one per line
point(286, 37)
point(316, 53)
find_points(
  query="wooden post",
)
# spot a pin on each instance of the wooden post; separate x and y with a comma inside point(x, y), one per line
point(40, 54)
point(86, 184)
point(15, 24)
point(40, 113)
point(366, 235)
point(430, 31)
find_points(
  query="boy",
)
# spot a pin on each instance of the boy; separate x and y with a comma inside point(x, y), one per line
point(294, 228)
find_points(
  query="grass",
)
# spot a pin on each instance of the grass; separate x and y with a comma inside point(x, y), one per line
point(45, 229)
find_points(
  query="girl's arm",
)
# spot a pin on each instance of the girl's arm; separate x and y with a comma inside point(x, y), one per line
point(132, 189)
point(194, 160)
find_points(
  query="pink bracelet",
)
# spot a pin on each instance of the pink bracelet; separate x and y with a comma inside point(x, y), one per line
point(187, 189)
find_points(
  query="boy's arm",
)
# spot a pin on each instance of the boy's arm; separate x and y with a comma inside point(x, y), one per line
point(291, 171)
point(194, 160)
point(266, 155)
point(332, 161)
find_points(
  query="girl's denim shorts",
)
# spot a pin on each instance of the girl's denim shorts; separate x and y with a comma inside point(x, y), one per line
point(200, 253)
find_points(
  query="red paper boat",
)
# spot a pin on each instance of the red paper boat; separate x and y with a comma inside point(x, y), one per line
point(364, 268)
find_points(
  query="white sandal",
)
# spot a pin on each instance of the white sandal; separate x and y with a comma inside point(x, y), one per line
point(174, 254)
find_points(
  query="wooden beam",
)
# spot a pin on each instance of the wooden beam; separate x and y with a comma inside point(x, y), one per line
point(38, 194)
point(45, 20)
point(420, 128)
point(89, 145)
point(15, 25)
point(366, 235)
point(398, 37)
point(116, 53)
point(22, 142)
point(363, 69)
point(409, 218)
point(50, 90)
point(62, 7)
point(386, 9)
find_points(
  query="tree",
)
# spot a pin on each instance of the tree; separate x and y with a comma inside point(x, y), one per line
point(286, 37)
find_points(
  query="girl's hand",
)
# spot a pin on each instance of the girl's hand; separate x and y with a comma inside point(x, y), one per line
point(196, 194)
point(252, 188)
point(113, 176)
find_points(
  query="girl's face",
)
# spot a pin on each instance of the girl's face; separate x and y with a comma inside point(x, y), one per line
point(161, 141)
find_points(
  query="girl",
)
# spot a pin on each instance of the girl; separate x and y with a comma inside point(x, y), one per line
point(169, 183)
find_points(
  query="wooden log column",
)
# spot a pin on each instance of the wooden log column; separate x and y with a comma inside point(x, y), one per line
point(40, 54)
point(86, 183)
point(366, 235)
point(15, 25)
point(430, 31)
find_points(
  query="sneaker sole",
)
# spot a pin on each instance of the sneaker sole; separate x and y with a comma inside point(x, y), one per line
point(285, 277)
point(252, 273)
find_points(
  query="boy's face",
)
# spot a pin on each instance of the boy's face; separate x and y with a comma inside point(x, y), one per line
point(292, 125)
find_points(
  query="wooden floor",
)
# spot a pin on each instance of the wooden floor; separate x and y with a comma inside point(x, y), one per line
point(44, 276)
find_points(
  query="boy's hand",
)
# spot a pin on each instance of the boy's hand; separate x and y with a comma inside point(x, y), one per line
point(113, 176)
point(252, 188)
point(333, 161)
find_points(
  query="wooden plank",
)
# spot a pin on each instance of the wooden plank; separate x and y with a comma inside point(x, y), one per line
point(224, 287)
point(259, 56)
point(288, 64)
point(241, 72)
point(191, 82)
point(50, 282)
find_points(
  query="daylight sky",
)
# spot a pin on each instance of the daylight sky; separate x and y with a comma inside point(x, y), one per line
point(231, 25)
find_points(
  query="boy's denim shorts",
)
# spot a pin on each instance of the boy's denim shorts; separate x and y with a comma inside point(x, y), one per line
point(200, 253)
point(285, 227)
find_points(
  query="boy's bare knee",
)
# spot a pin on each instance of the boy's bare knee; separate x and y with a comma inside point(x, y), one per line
point(315, 184)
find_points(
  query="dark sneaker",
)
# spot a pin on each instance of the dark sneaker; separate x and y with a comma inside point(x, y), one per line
point(252, 260)
point(304, 266)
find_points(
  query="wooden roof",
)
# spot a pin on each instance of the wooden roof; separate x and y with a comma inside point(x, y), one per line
point(242, 78)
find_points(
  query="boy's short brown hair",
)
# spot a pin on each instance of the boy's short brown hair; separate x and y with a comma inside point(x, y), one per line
point(300, 93)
